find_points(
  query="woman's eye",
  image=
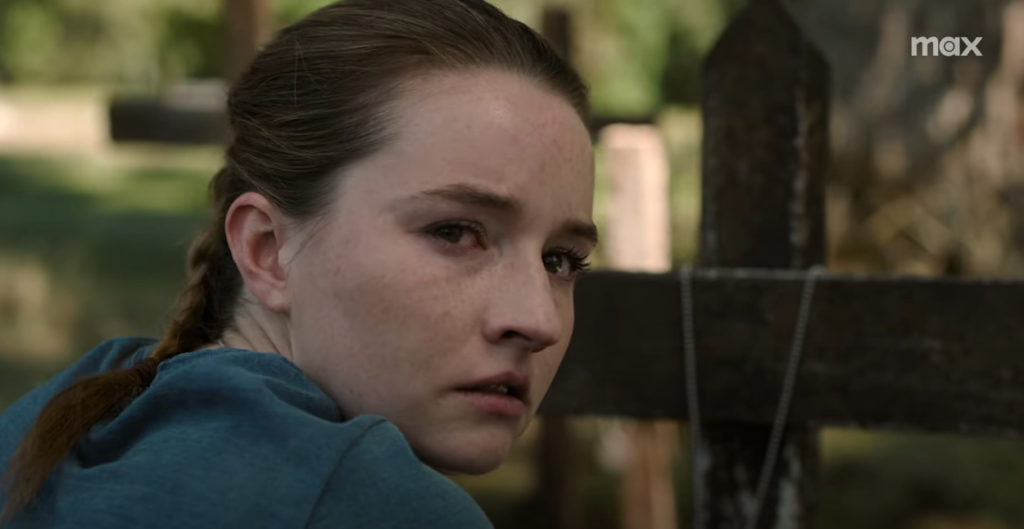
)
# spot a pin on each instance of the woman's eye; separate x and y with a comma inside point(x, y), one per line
point(555, 263)
point(565, 263)
point(452, 234)
point(456, 233)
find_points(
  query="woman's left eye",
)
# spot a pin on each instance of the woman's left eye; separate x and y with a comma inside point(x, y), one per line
point(565, 263)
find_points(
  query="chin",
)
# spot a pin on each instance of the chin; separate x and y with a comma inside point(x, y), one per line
point(469, 454)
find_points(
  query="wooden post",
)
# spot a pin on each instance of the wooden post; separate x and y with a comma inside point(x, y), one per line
point(247, 26)
point(558, 482)
point(765, 101)
point(556, 27)
point(558, 491)
point(638, 240)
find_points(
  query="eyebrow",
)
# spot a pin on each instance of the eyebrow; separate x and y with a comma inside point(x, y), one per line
point(582, 229)
point(471, 195)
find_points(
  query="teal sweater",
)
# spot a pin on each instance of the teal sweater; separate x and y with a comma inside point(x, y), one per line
point(231, 438)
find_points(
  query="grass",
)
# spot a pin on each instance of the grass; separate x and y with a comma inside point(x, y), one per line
point(87, 251)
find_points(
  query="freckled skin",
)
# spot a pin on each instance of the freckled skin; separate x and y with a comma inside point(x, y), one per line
point(389, 320)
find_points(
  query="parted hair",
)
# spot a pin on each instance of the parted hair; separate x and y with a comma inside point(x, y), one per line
point(314, 100)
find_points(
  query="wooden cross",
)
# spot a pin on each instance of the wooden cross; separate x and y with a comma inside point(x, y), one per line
point(880, 352)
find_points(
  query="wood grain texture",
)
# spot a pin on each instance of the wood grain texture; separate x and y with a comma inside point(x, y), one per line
point(896, 352)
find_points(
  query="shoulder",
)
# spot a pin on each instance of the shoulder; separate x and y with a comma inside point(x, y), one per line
point(240, 378)
point(220, 438)
point(251, 401)
point(235, 438)
point(380, 483)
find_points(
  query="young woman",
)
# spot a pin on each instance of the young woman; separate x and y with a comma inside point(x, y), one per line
point(383, 295)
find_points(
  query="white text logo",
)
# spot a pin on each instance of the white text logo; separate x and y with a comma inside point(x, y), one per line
point(949, 46)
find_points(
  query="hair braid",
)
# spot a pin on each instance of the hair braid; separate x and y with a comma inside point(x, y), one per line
point(204, 306)
point(203, 314)
point(72, 412)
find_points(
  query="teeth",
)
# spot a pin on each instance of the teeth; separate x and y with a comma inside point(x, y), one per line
point(496, 388)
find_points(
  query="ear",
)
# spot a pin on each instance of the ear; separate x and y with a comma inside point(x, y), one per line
point(256, 233)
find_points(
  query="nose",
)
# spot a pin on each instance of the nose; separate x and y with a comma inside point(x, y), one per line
point(524, 311)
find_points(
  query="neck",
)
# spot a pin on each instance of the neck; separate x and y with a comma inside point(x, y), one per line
point(257, 329)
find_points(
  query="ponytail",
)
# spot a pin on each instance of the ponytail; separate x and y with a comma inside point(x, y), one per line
point(66, 417)
point(205, 306)
point(204, 312)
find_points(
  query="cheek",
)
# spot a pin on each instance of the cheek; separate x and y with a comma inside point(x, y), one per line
point(383, 301)
point(366, 326)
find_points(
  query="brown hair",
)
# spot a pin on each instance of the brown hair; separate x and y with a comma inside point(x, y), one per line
point(313, 101)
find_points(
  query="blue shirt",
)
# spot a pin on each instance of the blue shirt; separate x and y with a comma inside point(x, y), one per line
point(231, 438)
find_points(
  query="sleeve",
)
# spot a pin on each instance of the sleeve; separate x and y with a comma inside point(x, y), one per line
point(381, 484)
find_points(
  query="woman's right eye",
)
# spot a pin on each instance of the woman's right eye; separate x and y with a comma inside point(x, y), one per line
point(457, 233)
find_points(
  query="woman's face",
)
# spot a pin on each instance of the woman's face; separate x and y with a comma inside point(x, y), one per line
point(447, 264)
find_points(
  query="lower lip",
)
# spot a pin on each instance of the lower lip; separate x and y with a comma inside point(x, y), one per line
point(495, 403)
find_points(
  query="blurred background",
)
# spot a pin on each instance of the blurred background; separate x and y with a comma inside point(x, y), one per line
point(926, 178)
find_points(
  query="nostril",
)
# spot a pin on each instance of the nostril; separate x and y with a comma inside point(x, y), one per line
point(533, 345)
point(512, 335)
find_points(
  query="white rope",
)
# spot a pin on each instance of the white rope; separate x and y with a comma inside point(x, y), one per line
point(781, 413)
point(786, 399)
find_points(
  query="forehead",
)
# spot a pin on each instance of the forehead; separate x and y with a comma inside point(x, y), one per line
point(494, 129)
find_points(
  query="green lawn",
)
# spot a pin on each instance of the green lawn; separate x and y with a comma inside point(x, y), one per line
point(88, 250)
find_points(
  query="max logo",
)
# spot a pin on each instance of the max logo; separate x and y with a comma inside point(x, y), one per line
point(949, 46)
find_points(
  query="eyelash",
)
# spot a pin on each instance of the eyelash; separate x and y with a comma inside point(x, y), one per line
point(577, 262)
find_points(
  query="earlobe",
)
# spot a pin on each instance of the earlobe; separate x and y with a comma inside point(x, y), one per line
point(255, 232)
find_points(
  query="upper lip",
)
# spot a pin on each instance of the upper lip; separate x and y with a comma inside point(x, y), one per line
point(518, 383)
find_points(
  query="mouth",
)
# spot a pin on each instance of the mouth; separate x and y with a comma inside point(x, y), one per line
point(506, 390)
point(506, 394)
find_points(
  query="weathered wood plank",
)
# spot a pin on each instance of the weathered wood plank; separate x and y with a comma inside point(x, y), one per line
point(764, 155)
point(881, 352)
point(765, 101)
